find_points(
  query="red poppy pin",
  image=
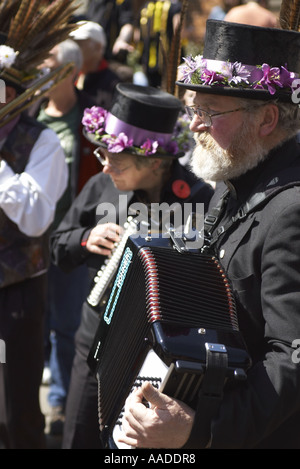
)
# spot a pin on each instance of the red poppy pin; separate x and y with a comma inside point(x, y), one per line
point(181, 189)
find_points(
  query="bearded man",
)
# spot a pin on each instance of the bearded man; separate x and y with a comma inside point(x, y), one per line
point(246, 119)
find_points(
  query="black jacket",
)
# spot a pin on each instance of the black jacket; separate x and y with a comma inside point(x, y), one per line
point(67, 251)
point(261, 256)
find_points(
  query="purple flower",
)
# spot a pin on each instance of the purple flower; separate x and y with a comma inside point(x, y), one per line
point(172, 147)
point(187, 69)
point(257, 86)
point(94, 119)
point(210, 77)
point(191, 66)
point(117, 144)
point(287, 78)
point(238, 74)
point(150, 146)
point(271, 78)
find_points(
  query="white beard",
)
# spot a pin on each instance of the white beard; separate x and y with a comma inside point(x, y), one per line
point(212, 163)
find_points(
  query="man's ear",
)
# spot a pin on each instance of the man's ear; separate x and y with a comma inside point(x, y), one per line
point(11, 94)
point(269, 120)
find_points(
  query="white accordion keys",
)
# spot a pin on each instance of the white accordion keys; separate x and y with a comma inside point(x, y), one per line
point(107, 271)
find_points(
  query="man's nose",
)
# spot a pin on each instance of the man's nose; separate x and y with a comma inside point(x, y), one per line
point(197, 124)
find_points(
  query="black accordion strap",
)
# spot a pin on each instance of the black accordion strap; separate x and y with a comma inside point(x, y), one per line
point(210, 396)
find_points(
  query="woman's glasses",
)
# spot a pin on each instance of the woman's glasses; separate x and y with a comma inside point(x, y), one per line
point(104, 161)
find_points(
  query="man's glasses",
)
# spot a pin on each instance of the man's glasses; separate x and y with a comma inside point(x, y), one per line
point(205, 116)
point(113, 166)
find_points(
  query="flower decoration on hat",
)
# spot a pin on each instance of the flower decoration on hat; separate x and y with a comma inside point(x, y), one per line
point(7, 56)
point(95, 120)
point(217, 73)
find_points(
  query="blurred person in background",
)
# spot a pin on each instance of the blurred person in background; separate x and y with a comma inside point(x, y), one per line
point(254, 13)
point(96, 77)
point(117, 18)
point(62, 110)
point(157, 23)
point(219, 11)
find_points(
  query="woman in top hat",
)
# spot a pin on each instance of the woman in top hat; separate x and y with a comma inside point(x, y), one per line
point(139, 149)
point(246, 119)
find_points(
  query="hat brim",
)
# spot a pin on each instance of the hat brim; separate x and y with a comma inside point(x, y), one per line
point(98, 143)
point(236, 92)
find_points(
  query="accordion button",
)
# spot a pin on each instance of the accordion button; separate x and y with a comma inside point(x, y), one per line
point(222, 253)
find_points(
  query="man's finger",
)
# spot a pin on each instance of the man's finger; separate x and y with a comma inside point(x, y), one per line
point(152, 395)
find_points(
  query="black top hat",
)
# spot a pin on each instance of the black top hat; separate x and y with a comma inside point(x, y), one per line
point(142, 120)
point(245, 61)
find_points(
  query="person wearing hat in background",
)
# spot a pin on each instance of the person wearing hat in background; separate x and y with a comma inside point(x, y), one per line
point(96, 78)
point(33, 177)
point(137, 147)
point(245, 117)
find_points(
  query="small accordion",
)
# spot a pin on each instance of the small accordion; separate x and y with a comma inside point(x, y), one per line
point(166, 308)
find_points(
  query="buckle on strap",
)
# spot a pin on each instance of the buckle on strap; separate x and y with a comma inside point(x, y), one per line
point(210, 220)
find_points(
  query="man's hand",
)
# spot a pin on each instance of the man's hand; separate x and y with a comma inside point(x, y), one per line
point(167, 423)
point(102, 238)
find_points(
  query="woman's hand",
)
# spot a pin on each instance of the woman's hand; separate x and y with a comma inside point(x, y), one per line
point(102, 238)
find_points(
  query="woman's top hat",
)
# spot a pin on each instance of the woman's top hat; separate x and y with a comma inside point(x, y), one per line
point(142, 120)
point(245, 61)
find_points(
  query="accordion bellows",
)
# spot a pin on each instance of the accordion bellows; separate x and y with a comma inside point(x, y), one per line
point(170, 303)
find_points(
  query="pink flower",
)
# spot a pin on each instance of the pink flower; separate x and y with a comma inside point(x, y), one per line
point(211, 77)
point(94, 119)
point(274, 77)
point(117, 144)
point(150, 146)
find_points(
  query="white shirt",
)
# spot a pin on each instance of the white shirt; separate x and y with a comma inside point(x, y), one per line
point(29, 199)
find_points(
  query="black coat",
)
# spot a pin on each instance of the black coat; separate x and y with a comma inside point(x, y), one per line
point(261, 256)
